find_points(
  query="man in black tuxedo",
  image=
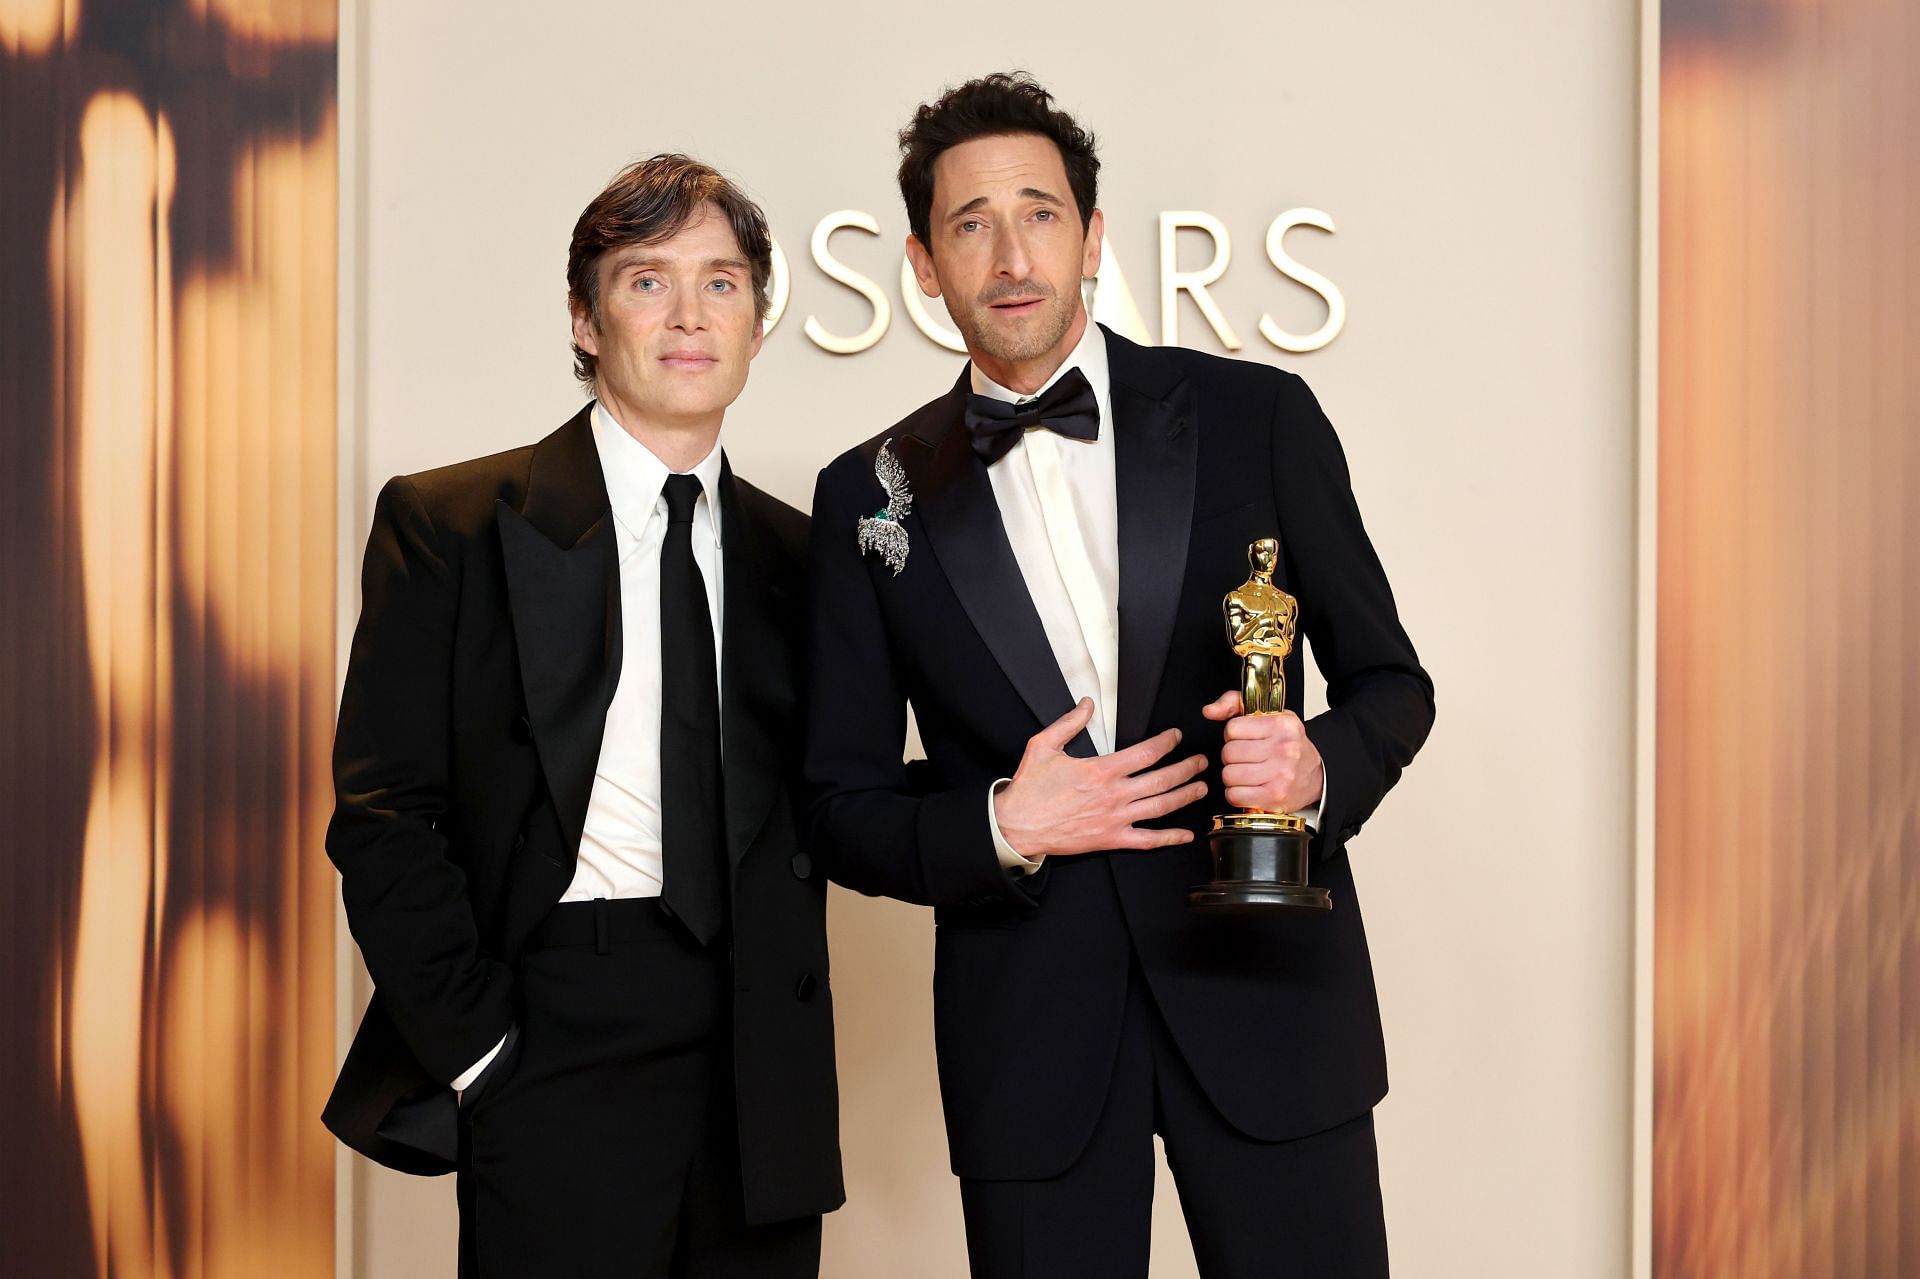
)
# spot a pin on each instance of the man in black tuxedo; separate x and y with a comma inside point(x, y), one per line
point(599, 956)
point(1036, 561)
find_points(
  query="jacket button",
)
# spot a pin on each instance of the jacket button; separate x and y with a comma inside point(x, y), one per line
point(802, 865)
point(804, 991)
point(521, 729)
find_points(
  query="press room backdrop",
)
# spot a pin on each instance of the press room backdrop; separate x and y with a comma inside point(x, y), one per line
point(167, 569)
point(1786, 942)
point(1479, 171)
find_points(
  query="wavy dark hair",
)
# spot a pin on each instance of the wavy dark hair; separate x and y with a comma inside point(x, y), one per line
point(650, 201)
point(992, 106)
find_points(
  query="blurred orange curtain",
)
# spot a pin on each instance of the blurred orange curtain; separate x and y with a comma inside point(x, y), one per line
point(167, 366)
point(1787, 848)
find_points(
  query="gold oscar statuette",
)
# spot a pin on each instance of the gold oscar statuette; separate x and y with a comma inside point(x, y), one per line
point(1260, 858)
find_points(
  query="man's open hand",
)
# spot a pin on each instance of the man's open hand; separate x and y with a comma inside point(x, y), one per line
point(1059, 804)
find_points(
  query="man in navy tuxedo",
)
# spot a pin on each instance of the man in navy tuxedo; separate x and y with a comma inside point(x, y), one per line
point(1035, 562)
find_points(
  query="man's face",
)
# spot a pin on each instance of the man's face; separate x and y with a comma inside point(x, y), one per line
point(676, 327)
point(1006, 250)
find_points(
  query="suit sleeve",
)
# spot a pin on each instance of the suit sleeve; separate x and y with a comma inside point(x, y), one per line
point(406, 900)
point(875, 826)
point(1379, 700)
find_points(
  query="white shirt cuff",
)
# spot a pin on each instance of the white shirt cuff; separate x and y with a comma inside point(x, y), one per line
point(1311, 813)
point(1009, 858)
point(465, 1079)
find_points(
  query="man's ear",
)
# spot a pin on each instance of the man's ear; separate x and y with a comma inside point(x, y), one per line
point(586, 334)
point(923, 266)
point(1096, 240)
point(759, 336)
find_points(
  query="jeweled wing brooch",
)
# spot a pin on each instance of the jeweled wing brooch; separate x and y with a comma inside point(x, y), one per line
point(883, 531)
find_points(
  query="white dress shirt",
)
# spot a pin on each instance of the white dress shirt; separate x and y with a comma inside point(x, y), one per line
point(620, 853)
point(1059, 502)
point(620, 845)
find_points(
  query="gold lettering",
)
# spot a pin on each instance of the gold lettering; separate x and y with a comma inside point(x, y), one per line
point(844, 274)
point(1328, 291)
point(1173, 280)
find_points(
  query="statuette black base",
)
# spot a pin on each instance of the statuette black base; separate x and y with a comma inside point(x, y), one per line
point(1259, 865)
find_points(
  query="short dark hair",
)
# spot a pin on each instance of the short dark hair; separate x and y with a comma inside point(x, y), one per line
point(996, 105)
point(650, 201)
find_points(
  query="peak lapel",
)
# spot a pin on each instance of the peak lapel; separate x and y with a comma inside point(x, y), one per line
point(954, 500)
point(1156, 447)
point(757, 694)
point(563, 588)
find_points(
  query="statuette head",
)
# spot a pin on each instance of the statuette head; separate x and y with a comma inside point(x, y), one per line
point(1263, 555)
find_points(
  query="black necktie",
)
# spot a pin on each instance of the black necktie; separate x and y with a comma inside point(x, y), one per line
point(1065, 408)
point(692, 821)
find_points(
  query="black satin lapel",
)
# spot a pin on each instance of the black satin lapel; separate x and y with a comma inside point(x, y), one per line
point(1156, 447)
point(957, 509)
point(566, 489)
point(756, 693)
point(563, 589)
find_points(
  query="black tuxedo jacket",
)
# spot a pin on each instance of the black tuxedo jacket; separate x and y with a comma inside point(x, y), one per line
point(1277, 1017)
point(486, 656)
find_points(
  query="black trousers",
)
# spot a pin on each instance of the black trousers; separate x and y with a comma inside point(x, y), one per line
point(1255, 1210)
point(602, 1142)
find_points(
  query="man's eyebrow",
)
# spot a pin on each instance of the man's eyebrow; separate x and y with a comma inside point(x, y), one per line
point(1025, 193)
point(629, 259)
point(623, 259)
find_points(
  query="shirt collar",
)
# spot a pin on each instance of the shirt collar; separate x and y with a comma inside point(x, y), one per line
point(636, 476)
point(1089, 355)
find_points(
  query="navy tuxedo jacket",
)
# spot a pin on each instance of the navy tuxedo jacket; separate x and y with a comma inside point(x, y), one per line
point(1276, 1016)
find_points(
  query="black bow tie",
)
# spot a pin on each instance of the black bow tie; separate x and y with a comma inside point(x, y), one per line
point(1065, 408)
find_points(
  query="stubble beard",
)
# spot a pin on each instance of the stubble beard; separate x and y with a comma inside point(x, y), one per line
point(1018, 346)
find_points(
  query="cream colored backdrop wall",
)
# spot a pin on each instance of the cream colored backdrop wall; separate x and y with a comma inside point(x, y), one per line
point(1480, 167)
